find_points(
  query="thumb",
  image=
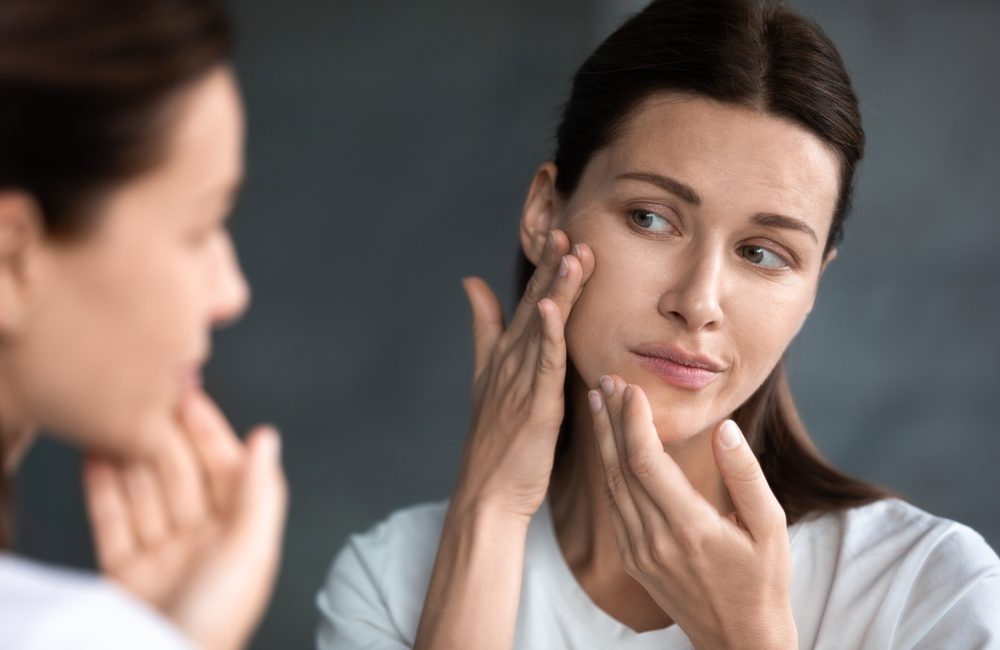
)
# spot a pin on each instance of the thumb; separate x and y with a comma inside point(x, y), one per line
point(756, 506)
point(487, 318)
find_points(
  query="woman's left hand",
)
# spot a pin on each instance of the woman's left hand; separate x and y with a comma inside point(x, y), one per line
point(724, 579)
point(196, 529)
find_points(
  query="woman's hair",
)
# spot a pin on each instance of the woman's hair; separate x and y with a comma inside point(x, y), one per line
point(85, 92)
point(765, 57)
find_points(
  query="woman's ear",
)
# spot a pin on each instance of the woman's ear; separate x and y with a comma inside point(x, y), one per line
point(540, 212)
point(19, 226)
point(830, 256)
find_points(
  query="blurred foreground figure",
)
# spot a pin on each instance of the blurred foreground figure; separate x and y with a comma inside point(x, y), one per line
point(121, 149)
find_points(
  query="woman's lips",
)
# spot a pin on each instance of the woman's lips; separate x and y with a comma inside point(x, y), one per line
point(691, 377)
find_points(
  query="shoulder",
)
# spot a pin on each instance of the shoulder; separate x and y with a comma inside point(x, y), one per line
point(407, 538)
point(916, 574)
point(378, 579)
point(896, 532)
point(48, 607)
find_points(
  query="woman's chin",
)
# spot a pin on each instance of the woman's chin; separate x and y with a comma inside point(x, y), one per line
point(678, 424)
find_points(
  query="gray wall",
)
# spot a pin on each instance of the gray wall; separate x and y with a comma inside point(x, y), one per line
point(390, 148)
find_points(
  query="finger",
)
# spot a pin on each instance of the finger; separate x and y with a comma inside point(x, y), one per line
point(253, 544)
point(263, 493)
point(550, 374)
point(146, 504)
point(607, 449)
point(653, 520)
point(625, 547)
point(556, 246)
point(585, 254)
point(178, 469)
point(660, 479)
point(219, 450)
point(561, 294)
point(566, 286)
point(487, 319)
point(622, 539)
point(756, 506)
point(107, 511)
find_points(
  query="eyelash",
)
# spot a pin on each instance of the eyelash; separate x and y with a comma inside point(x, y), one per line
point(787, 260)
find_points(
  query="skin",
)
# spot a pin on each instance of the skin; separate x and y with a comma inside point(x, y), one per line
point(102, 340)
point(659, 521)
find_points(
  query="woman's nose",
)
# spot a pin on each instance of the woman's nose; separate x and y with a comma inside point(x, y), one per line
point(693, 295)
point(231, 295)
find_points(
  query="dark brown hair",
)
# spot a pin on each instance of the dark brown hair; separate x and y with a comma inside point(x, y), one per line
point(85, 87)
point(765, 57)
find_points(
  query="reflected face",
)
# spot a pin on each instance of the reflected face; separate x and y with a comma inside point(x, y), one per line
point(708, 224)
point(121, 320)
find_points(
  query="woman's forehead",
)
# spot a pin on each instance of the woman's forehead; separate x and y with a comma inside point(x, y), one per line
point(723, 152)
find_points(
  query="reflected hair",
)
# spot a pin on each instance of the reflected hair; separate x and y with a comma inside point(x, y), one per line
point(86, 91)
point(758, 55)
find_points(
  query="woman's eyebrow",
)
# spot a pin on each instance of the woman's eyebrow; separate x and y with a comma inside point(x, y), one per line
point(781, 221)
point(675, 187)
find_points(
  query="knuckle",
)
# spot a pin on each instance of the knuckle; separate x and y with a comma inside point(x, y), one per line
point(550, 361)
point(644, 560)
point(748, 471)
point(640, 462)
point(629, 563)
point(615, 477)
point(533, 292)
point(508, 368)
point(691, 538)
point(661, 551)
point(609, 495)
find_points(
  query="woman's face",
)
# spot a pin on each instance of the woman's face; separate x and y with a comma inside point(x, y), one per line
point(708, 223)
point(119, 322)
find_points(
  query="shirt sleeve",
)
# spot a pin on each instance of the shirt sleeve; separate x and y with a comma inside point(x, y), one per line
point(954, 601)
point(354, 613)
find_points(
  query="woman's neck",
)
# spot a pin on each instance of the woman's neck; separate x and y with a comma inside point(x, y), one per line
point(15, 434)
point(582, 515)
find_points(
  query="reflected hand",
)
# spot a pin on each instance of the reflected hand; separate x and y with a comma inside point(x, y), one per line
point(725, 580)
point(518, 383)
point(195, 531)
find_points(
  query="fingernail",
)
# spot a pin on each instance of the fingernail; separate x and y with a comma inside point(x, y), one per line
point(730, 436)
point(595, 401)
point(551, 242)
point(563, 267)
point(628, 393)
point(576, 250)
point(607, 385)
point(270, 441)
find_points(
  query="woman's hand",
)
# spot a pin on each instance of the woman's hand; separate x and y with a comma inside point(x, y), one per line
point(520, 372)
point(195, 531)
point(518, 383)
point(724, 579)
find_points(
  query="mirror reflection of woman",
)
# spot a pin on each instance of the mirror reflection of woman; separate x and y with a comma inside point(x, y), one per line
point(636, 474)
point(121, 150)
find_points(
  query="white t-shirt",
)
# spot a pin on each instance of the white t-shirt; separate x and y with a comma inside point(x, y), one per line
point(886, 575)
point(47, 608)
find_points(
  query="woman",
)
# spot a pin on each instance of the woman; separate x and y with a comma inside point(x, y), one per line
point(121, 139)
point(636, 474)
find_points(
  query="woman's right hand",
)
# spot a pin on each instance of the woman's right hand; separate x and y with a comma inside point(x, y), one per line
point(518, 384)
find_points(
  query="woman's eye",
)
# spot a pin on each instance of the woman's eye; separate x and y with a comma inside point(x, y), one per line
point(649, 220)
point(762, 257)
